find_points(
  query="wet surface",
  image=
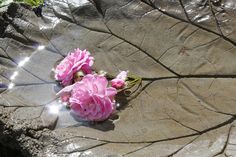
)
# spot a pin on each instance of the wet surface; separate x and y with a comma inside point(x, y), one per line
point(183, 50)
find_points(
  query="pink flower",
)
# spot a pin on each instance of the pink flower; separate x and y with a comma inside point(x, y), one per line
point(119, 81)
point(65, 93)
point(91, 99)
point(72, 63)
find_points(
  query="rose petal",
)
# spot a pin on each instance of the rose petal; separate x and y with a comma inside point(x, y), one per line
point(66, 89)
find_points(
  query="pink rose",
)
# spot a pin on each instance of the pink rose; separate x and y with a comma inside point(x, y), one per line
point(119, 81)
point(65, 93)
point(72, 63)
point(91, 99)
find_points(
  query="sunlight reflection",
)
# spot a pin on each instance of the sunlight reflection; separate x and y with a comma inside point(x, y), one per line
point(54, 108)
point(11, 85)
point(13, 76)
point(53, 23)
point(41, 47)
point(88, 152)
point(22, 62)
point(118, 105)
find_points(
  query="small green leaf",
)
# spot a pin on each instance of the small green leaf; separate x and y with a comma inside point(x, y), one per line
point(33, 3)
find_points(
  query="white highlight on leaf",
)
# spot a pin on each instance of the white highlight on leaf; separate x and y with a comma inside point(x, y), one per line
point(11, 85)
point(88, 152)
point(54, 108)
point(13, 76)
point(22, 62)
point(41, 47)
point(118, 105)
point(51, 25)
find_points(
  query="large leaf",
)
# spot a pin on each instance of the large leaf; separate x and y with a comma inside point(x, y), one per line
point(183, 50)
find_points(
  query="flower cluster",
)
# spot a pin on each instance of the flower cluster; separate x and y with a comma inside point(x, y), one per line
point(90, 95)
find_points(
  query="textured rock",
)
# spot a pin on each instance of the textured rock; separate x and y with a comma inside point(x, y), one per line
point(183, 50)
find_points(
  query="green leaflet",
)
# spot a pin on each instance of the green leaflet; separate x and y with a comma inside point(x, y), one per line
point(33, 3)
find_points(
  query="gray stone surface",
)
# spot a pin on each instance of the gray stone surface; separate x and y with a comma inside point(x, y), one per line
point(183, 49)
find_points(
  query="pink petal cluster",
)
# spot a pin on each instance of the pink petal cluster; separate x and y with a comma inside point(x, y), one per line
point(119, 81)
point(77, 60)
point(89, 96)
point(91, 99)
